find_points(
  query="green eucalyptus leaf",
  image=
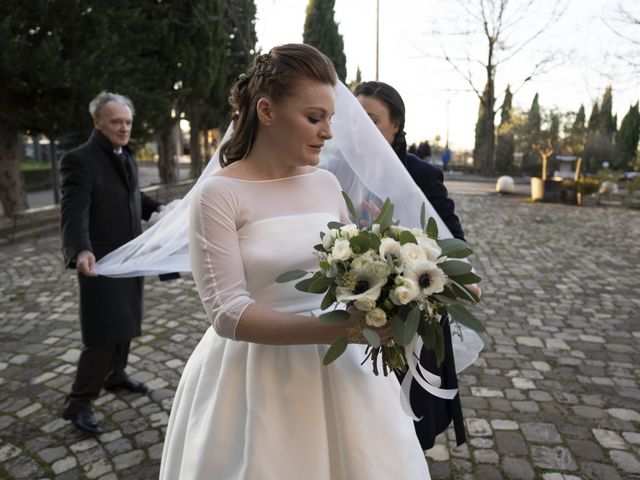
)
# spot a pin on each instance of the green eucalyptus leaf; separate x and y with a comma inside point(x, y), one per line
point(429, 336)
point(291, 275)
point(447, 300)
point(303, 285)
point(411, 325)
point(407, 237)
point(463, 253)
point(350, 207)
point(320, 284)
point(374, 241)
point(453, 247)
point(329, 298)
point(463, 316)
point(462, 293)
point(372, 337)
point(335, 317)
point(455, 267)
point(397, 327)
point(385, 218)
point(336, 349)
point(432, 228)
point(423, 222)
point(335, 225)
point(467, 278)
point(360, 243)
point(319, 247)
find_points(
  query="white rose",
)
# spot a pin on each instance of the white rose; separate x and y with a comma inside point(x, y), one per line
point(389, 245)
point(349, 231)
point(364, 304)
point(411, 253)
point(362, 261)
point(406, 291)
point(341, 249)
point(328, 238)
point(380, 270)
point(375, 228)
point(430, 247)
point(396, 229)
point(376, 318)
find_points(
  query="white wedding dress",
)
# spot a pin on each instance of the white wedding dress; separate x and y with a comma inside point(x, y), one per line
point(246, 411)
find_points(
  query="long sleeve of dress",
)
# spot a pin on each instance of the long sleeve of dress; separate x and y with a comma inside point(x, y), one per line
point(215, 258)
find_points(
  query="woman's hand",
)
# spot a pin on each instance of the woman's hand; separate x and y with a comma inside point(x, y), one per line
point(475, 289)
point(373, 211)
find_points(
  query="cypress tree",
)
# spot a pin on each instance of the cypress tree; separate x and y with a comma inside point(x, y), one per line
point(577, 134)
point(606, 123)
point(534, 118)
point(505, 145)
point(594, 118)
point(321, 31)
point(628, 137)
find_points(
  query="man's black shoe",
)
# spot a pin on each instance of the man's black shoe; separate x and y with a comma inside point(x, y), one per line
point(84, 421)
point(130, 385)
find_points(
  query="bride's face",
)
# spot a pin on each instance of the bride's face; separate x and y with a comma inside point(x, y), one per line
point(301, 122)
point(379, 113)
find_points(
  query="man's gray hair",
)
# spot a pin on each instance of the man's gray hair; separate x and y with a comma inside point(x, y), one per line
point(104, 97)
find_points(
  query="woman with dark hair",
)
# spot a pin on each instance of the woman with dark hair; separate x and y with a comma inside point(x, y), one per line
point(386, 109)
point(255, 400)
point(384, 105)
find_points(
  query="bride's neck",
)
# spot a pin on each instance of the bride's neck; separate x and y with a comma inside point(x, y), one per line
point(268, 162)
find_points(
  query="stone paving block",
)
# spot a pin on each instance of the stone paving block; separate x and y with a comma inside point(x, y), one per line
point(517, 469)
point(556, 458)
point(540, 432)
point(599, 471)
point(504, 424)
point(97, 469)
point(129, 459)
point(626, 461)
point(609, 439)
point(438, 453)
point(624, 414)
point(64, 465)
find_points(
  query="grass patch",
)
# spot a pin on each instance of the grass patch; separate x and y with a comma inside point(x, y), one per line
point(31, 165)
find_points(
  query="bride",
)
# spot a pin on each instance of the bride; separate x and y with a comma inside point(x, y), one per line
point(255, 401)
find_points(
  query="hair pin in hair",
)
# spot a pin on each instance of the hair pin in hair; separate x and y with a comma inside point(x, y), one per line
point(263, 59)
point(243, 76)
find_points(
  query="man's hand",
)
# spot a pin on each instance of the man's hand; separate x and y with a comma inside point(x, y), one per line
point(85, 262)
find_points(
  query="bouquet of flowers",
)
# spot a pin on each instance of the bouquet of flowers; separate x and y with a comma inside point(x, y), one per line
point(395, 276)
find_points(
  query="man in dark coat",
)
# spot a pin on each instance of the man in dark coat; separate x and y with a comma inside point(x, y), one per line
point(101, 209)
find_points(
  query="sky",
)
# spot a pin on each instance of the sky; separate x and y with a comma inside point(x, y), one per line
point(415, 35)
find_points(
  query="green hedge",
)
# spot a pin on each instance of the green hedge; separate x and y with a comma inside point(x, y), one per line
point(37, 179)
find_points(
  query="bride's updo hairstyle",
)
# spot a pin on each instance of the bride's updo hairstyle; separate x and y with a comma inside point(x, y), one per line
point(273, 75)
point(393, 101)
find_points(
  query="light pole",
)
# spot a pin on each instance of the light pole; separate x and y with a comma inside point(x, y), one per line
point(377, 37)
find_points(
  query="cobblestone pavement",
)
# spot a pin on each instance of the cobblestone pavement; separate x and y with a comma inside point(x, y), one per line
point(555, 397)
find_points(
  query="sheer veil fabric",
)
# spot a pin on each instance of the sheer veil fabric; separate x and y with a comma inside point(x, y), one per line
point(368, 171)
